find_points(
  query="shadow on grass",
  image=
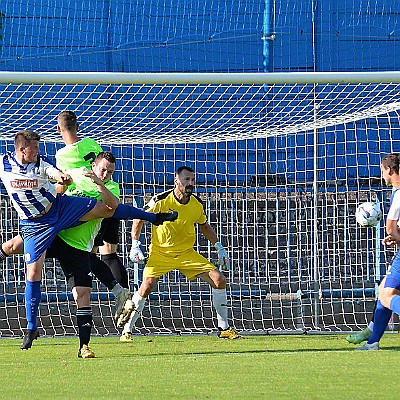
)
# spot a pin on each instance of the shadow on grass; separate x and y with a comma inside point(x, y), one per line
point(221, 352)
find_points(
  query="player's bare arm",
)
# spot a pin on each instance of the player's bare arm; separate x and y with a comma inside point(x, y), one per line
point(393, 233)
point(106, 196)
point(137, 225)
point(209, 233)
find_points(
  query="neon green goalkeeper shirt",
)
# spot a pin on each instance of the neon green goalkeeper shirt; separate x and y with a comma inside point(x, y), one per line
point(82, 237)
point(78, 154)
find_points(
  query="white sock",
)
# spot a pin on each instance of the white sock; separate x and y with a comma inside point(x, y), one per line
point(139, 302)
point(220, 301)
point(371, 326)
point(117, 289)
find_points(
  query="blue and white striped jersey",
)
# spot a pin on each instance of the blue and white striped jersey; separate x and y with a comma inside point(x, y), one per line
point(28, 185)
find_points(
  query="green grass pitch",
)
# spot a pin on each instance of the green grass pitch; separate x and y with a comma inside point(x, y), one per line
point(201, 367)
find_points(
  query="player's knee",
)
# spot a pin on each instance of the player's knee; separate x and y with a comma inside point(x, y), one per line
point(385, 302)
point(100, 210)
point(385, 296)
point(106, 211)
point(219, 280)
point(13, 246)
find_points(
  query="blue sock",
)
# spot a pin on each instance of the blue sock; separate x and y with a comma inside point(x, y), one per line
point(125, 211)
point(381, 318)
point(32, 300)
point(395, 304)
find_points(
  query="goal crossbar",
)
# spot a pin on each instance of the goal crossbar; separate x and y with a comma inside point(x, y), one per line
point(197, 78)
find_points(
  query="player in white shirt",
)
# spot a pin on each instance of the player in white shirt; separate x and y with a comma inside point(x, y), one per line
point(389, 288)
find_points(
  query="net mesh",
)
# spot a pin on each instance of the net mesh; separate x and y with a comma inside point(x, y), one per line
point(280, 169)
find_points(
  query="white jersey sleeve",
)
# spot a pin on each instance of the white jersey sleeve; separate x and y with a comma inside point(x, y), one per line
point(394, 210)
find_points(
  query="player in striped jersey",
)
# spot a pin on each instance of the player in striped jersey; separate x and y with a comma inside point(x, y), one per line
point(72, 248)
point(43, 214)
point(172, 247)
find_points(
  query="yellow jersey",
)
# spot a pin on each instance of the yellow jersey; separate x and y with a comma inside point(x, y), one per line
point(180, 235)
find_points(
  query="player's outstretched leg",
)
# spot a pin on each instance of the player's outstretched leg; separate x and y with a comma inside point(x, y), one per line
point(164, 217)
point(126, 211)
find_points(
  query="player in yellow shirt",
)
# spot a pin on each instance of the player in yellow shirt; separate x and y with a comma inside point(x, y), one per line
point(172, 247)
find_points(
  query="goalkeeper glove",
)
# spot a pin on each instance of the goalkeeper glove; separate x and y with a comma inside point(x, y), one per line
point(223, 259)
point(136, 255)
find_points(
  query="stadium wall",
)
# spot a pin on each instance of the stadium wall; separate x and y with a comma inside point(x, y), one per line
point(214, 35)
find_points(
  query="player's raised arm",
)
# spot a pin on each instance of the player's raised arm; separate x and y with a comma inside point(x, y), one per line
point(106, 196)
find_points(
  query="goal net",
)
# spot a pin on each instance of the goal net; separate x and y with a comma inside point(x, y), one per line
point(281, 161)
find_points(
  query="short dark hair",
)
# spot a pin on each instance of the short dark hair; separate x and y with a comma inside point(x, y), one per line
point(183, 168)
point(392, 161)
point(67, 120)
point(107, 155)
point(24, 137)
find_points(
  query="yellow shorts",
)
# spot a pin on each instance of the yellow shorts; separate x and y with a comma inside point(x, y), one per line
point(190, 263)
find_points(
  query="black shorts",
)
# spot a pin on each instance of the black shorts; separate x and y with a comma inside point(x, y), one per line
point(74, 263)
point(109, 232)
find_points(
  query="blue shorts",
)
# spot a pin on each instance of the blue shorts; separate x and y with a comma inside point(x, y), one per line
point(38, 233)
point(393, 275)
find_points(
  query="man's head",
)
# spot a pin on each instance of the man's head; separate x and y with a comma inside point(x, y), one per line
point(184, 181)
point(26, 144)
point(390, 166)
point(67, 121)
point(104, 165)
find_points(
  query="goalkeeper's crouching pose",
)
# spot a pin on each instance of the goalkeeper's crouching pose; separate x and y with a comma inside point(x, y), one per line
point(172, 248)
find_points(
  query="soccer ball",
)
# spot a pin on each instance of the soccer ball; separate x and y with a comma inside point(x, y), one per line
point(368, 214)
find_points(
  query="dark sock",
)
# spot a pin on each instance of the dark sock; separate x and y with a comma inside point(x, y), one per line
point(85, 322)
point(125, 211)
point(101, 271)
point(117, 268)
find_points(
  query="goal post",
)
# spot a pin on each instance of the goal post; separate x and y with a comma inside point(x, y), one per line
point(281, 162)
